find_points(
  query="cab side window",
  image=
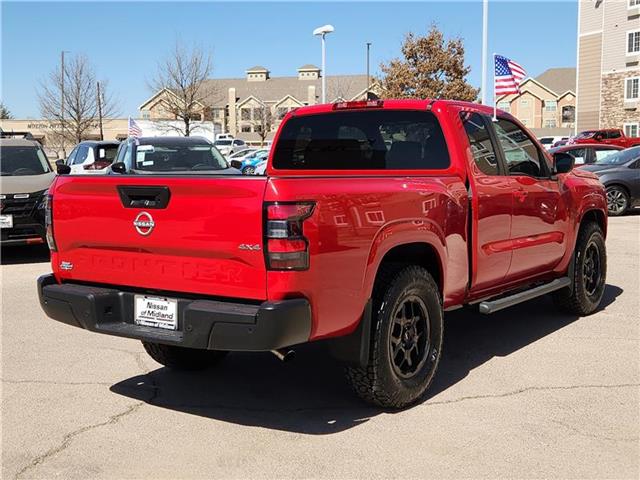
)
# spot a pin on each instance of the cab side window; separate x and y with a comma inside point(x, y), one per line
point(521, 155)
point(480, 142)
point(613, 134)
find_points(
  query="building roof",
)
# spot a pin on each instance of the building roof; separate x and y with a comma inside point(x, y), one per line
point(257, 68)
point(308, 66)
point(276, 88)
point(559, 79)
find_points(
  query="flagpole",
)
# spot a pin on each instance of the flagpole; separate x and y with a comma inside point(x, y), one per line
point(495, 97)
point(485, 34)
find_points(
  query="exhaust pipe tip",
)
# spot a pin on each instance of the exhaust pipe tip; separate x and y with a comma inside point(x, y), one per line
point(284, 355)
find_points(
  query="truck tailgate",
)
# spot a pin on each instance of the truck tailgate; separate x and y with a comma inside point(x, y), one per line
point(207, 239)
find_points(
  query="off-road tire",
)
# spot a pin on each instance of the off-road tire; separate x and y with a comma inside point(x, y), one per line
point(248, 170)
point(618, 198)
point(576, 299)
point(180, 358)
point(379, 382)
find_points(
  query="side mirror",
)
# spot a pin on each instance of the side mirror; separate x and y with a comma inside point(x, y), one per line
point(62, 169)
point(599, 138)
point(60, 162)
point(563, 162)
point(119, 167)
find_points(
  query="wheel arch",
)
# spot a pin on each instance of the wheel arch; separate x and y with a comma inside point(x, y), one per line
point(423, 254)
point(594, 215)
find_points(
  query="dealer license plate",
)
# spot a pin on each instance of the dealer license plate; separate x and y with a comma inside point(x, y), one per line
point(156, 312)
point(6, 221)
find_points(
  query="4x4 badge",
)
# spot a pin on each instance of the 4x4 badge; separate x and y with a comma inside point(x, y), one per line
point(144, 223)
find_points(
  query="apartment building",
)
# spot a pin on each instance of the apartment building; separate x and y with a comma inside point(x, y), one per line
point(239, 105)
point(608, 73)
point(546, 103)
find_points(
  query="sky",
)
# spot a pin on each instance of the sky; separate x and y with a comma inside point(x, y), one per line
point(125, 40)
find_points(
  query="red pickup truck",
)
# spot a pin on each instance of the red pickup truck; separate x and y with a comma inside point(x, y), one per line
point(373, 220)
point(610, 136)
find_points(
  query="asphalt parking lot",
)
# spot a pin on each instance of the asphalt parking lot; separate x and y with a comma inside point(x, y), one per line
point(524, 393)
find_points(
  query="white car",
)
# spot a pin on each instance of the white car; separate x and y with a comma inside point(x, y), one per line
point(91, 157)
point(260, 168)
point(229, 146)
point(549, 142)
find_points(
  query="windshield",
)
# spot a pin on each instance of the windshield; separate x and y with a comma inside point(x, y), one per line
point(621, 157)
point(178, 158)
point(23, 161)
point(224, 143)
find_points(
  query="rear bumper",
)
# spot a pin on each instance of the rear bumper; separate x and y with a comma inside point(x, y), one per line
point(23, 234)
point(202, 323)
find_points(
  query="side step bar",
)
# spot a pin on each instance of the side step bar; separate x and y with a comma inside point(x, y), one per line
point(495, 305)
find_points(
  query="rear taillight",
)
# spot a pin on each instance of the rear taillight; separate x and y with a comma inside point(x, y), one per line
point(48, 222)
point(358, 104)
point(286, 246)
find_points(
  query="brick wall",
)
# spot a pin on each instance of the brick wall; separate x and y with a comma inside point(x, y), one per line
point(613, 113)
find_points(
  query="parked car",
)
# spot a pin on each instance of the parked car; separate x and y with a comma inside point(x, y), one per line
point(548, 142)
point(229, 146)
point(91, 156)
point(166, 155)
point(586, 154)
point(25, 177)
point(261, 168)
point(610, 136)
point(224, 136)
point(563, 141)
point(620, 174)
point(249, 163)
point(240, 155)
point(343, 240)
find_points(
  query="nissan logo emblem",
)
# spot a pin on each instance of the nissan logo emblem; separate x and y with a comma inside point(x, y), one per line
point(144, 223)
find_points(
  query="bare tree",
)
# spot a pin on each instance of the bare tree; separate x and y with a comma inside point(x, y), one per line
point(262, 121)
point(181, 75)
point(76, 113)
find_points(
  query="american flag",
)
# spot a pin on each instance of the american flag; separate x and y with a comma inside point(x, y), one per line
point(134, 129)
point(509, 76)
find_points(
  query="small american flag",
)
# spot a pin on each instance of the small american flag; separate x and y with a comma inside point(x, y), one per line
point(134, 129)
point(509, 76)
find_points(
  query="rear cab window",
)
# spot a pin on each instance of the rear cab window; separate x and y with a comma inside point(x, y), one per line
point(382, 139)
point(175, 157)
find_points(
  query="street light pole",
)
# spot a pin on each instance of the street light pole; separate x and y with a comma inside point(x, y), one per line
point(100, 110)
point(485, 25)
point(368, 82)
point(324, 75)
point(322, 31)
point(62, 75)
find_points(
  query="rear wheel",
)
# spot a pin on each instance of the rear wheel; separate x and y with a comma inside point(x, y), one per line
point(590, 270)
point(180, 358)
point(617, 200)
point(407, 340)
point(248, 170)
